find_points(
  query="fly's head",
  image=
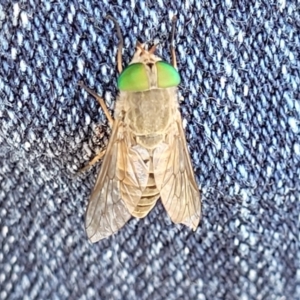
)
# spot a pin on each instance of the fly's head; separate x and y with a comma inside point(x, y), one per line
point(147, 71)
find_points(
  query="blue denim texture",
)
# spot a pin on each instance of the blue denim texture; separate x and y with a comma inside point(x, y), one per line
point(239, 62)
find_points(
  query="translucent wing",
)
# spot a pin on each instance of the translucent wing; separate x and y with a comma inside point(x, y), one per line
point(175, 179)
point(118, 188)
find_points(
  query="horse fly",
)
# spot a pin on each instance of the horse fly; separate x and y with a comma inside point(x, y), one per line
point(147, 156)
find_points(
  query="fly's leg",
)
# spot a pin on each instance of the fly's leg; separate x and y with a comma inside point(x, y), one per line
point(120, 45)
point(110, 120)
point(101, 102)
point(119, 58)
point(172, 47)
point(92, 162)
point(99, 99)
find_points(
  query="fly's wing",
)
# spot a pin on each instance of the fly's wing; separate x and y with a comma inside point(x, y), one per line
point(117, 189)
point(175, 179)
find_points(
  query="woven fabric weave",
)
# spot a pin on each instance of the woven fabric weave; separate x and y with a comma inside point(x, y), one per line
point(240, 67)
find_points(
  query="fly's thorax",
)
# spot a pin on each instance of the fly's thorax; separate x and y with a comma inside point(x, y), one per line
point(148, 114)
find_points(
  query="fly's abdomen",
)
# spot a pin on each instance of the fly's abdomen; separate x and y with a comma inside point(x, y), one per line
point(149, 198)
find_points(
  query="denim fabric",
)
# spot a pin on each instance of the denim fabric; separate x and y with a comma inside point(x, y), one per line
point(239, 62)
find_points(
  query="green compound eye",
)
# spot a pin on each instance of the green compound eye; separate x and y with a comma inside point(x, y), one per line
point(167, 75)
point(134, 78)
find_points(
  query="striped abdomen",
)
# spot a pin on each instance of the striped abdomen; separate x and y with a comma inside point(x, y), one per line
point(149, 197)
